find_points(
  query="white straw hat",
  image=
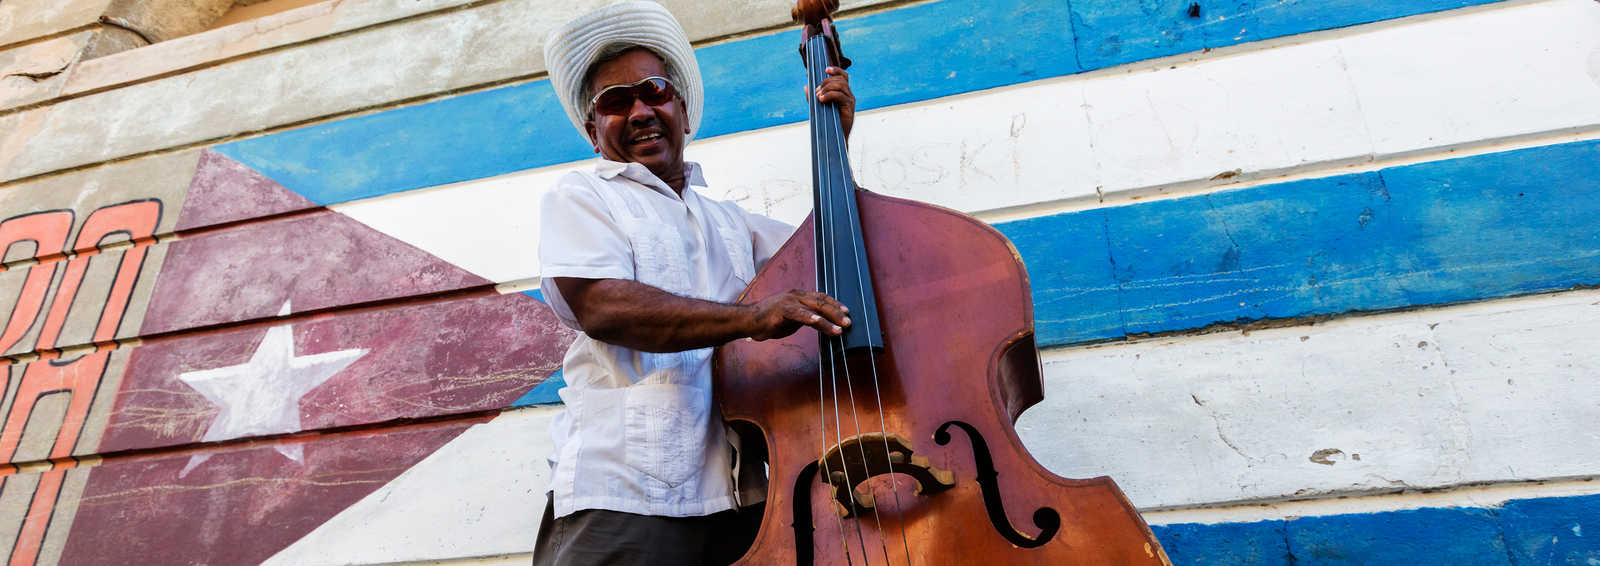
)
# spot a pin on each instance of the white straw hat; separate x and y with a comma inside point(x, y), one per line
point(570, 50)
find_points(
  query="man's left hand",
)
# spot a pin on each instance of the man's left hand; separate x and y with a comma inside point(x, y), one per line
point(836, 89)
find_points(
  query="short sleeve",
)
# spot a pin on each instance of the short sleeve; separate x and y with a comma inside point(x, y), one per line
point(578, 238)
point(766, 236)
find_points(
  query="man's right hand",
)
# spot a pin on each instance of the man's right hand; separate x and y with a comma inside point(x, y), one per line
point(782, 314)
point(635, 315)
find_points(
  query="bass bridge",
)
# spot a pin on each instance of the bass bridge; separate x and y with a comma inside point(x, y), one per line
point(862, 457)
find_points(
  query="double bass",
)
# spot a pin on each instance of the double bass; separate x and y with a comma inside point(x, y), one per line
point(894, 443)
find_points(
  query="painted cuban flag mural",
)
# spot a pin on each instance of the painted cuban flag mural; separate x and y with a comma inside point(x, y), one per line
point(300, 320)
point(1312, 293)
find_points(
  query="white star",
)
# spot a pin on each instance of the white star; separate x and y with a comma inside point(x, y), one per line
point(262, 396)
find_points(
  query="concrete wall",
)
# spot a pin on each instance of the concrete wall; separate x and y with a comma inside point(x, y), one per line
point(1312, 279)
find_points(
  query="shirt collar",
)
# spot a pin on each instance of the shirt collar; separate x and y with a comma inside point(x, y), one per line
point(608, 169)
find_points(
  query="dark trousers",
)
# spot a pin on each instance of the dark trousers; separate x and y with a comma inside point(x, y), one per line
point(597, 536)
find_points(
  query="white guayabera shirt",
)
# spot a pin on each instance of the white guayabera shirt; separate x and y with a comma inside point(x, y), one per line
point(640, 433)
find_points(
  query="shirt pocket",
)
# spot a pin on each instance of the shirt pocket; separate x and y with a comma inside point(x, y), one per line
point(658, 258)
point(665, 431)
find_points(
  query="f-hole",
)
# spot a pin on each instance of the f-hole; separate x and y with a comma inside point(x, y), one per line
point(1046, 519)
point(803, 530)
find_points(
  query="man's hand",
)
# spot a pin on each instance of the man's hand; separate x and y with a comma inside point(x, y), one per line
point(635, 315)
point(836, 89)
point(780, 315)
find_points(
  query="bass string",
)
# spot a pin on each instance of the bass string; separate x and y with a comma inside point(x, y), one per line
point(822, 405)
point(840, 195)
point(856, 245)
point(843, 192)
point(836, 350)
point(826, 283)
point(836, 354)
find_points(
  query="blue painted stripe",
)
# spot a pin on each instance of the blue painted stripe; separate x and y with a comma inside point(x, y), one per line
point(1227, 544)
point(1113, 32)
point(903, 55)
point(1529, 532)
point(1434, 536)
point(456, 139)
point(1557, 530)
point(1433, 233)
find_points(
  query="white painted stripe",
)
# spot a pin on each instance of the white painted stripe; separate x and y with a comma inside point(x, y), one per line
point(489, 227)
point(481, 494)
point(1500, 391)
point(1530, 69)
point(1314, 108)
point(1247, 179)
point(1473, 496)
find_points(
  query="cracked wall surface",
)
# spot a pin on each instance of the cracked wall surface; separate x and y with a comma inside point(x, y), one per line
point(41, 41)
point(32, 31)
point(161, 20)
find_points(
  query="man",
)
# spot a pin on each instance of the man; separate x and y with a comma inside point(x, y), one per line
point(645, 266)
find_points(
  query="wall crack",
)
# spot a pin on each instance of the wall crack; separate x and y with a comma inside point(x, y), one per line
point(40, 76)
point(121, 24)
point(1217, 423)
point(1288, 545)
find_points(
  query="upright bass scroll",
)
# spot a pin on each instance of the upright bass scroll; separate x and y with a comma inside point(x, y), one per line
point(865, 465)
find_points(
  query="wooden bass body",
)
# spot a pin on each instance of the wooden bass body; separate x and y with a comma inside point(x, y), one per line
point(957, 367)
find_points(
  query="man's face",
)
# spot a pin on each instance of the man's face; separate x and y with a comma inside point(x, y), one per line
point(649, 135)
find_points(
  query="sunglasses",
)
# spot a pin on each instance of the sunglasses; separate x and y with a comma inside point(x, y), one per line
point(616, 100)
